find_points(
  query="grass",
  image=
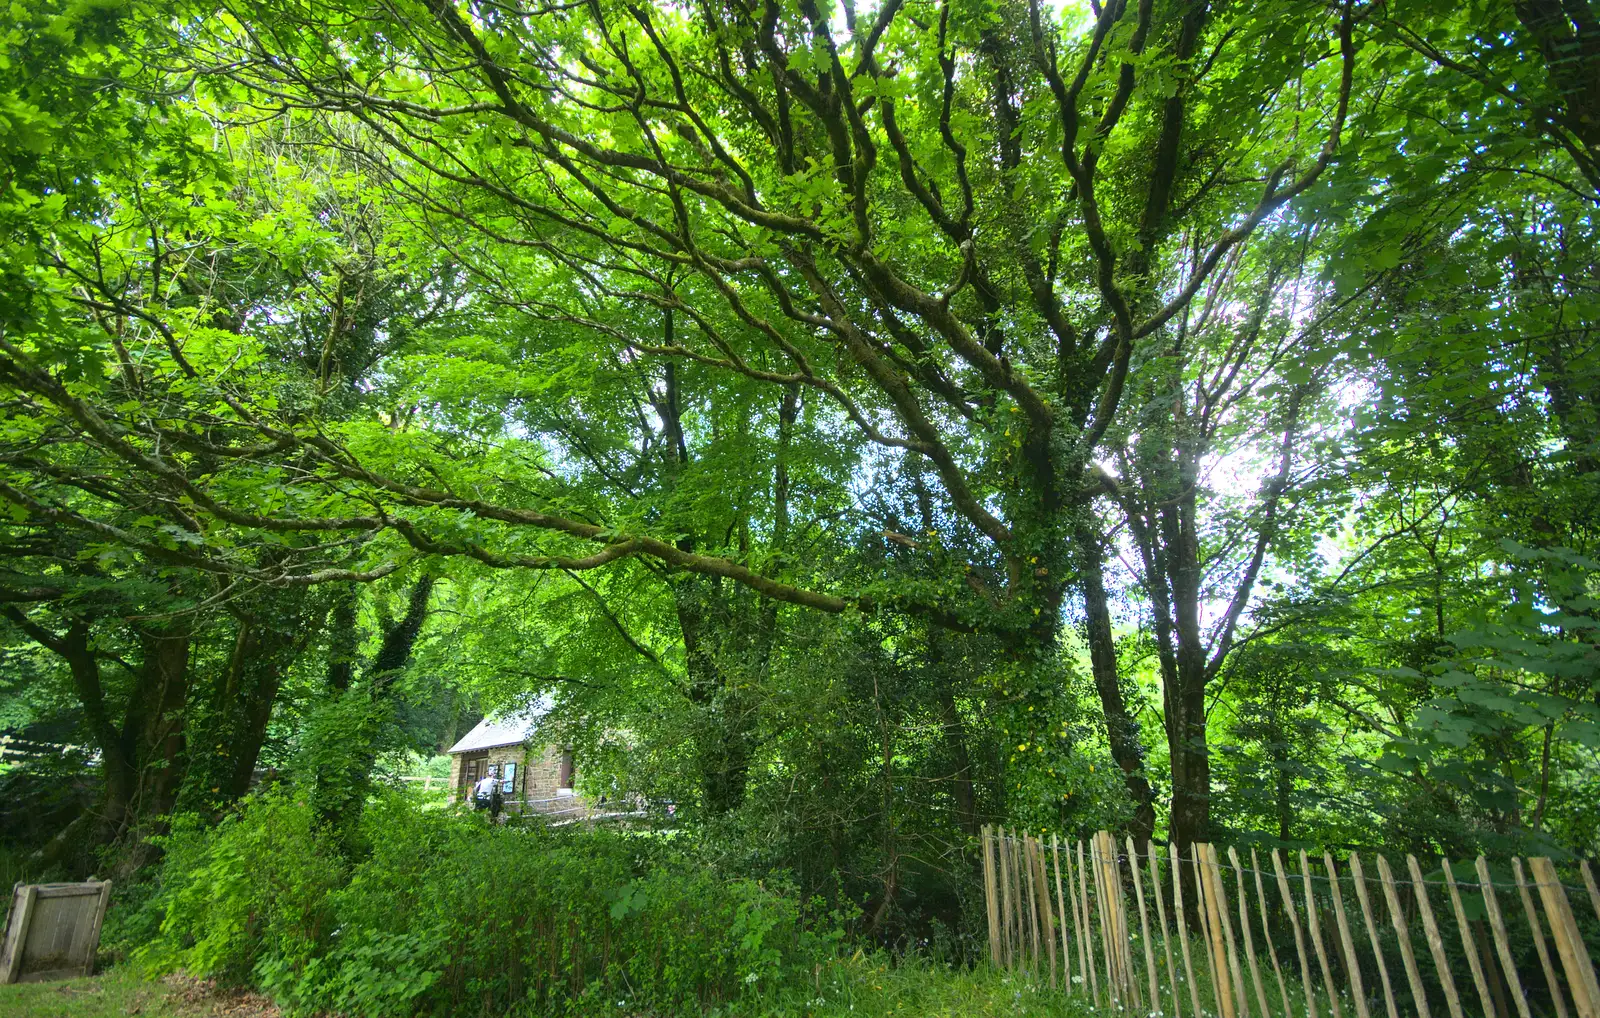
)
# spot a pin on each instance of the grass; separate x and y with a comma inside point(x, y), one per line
point(860, 987)
point(122, 994)
point(867, 986)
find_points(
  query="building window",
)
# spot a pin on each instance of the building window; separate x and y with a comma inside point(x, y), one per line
point(564, 774)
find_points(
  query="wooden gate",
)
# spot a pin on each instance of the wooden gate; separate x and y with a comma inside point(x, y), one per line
point(1097, 918)
point(53, 931)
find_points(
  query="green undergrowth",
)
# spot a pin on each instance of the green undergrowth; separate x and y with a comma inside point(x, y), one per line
point(438, 913)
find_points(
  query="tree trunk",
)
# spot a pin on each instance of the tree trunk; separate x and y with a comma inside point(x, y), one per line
point(344, 774)
point(1122, 732)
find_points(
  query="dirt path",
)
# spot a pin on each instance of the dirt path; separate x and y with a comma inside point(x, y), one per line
point(120, 994)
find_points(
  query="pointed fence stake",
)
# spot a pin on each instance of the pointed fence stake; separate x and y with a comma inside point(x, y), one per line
point(1220, 893)
point(1266, 930)
point(1107, 933)
point(1249, 940)
point(1314, 921)
point(1352, 963)
point(1144, 928)
point(1299, 939)
point(1085, 970)
point(1468, 944)
point(1046, 910)
point(1061, 910)
point(1397, 917)
point(1556, 995)
point(1120, 911)
point(1001, 852)
point(1372, 933)
point(1088, 924)
point(1183, 927)
point(1502, 942)
point(991, 898)
point(1581, 978)
point(1209, 932)
point(1166, 932)
point(1441, 963)
point(1019, 904)
point(1031, 899)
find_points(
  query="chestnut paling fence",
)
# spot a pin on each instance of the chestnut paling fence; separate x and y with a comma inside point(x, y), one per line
point(1149, 930)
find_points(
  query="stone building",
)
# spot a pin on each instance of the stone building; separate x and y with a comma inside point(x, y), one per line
point(536, 775)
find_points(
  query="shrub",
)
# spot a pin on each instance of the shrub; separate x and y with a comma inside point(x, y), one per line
point(255, 889)
point(447, 915)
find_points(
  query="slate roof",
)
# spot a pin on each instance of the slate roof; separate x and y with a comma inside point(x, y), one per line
point(506, 729)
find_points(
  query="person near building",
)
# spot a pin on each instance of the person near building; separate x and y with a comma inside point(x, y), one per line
point(497, 800)
point(484, 792)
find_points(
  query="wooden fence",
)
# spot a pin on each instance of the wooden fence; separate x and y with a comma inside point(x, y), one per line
point(1157, 932)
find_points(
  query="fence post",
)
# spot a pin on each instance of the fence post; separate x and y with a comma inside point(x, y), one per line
point(1235, 971)
point(1467, 942)
point(991, 904)
point(1352, 963)
point(1314, 921)
point(1174, 857)
point(1144, 928)
point(1205, 901)
point(1372, 933)
point(1061, 910)
point(1001, 852)
point(1088, 924)
point(1107, 933)
point(1441, 964)
point(1119, 910)
point(1031, 899)
point(1046, 914)
point(1266, 931)
point(1085, 969)
point(1413, 975)
point(1574, 955)
point(1502, 943)
point(1538, 939)
point(1299, 941)
point(1166, 932)
point(1216, 913)
point(1249, 939)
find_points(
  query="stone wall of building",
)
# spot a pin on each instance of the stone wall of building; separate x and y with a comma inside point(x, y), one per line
point(536, 786)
